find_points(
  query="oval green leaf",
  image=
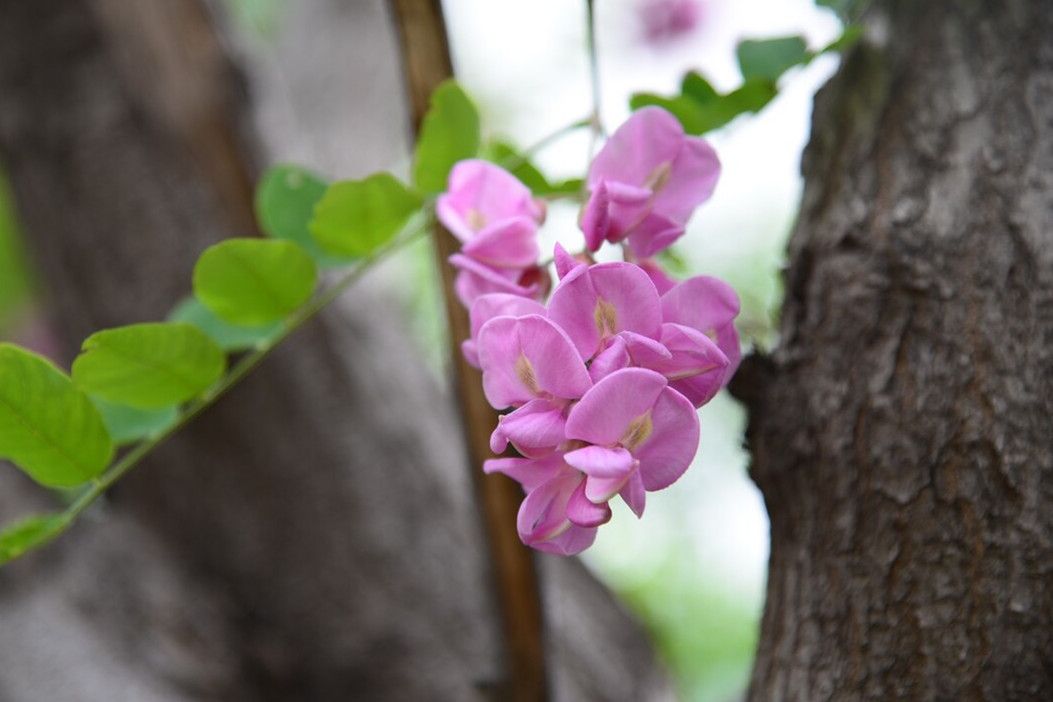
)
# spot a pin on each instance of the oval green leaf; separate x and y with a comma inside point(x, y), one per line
point(357, 217)
point(149, 366)
point(48, 427)
point(770, 58)
point(285, 200)
point(127, 424)
point(30, 533)
point(449, 133)
point(253, 282)
point(230, 337)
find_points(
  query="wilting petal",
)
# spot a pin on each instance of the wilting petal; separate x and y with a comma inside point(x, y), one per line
point(480, 193)
point(595, 303)
point(673, 441)
point(692, 178)
point(528, 472)
point(614, 357)
point(607, 412)
point(523, 358)
point(509, 243)
point(534, 427)
point(583, 512)
point(601, 462)
point(650, 138)
point(634, 494)
point(543, 514)
point(570, 543)
point(476, 279)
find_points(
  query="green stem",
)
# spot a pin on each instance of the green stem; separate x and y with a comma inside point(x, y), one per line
point(241, 369)
point(595, 121)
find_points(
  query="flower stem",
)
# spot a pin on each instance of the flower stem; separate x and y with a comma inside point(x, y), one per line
point(595, 119)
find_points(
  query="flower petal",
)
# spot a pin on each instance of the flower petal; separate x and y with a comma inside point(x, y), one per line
point(565, 263)
point(493, 305)
point(595, 303)
point(606, 411)
point(543, 514)
point(476, 279)
point(634, 494)
point(702, 302)
point(583, 512)
point(600, 490)
point(536, 426)
point(673, 441)
point(480, 193)
point(508, 243)
point(601, 462)
point(654, 233)
point(528, 357)
point(570, 543)
point(614, 357)
point(528, 472)
point(692, 178)
point(649, 138)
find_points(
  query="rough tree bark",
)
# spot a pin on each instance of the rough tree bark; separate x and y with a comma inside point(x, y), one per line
point(313, 536)
point(902, 432)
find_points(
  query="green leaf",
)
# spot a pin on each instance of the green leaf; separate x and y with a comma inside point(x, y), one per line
point(148, 366)
point(285, 200)
point(127, 424)
point(48, 427)
point(702, 117)
point(253, 282)
point(770, 58)
point(357, 217)
point(694, 86)
point(449, 133)
point(29, 533)
point(229, 337)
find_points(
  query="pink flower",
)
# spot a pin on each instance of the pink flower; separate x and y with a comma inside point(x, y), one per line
point(667, 19)
point(593, 304)
point(555, 517)
point(643, 436)
point(496, 218)
point(486, 307)
point(529, 363)
point(646, 182)
point(709, 306)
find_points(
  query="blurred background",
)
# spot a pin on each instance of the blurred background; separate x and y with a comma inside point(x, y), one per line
point(694, 568)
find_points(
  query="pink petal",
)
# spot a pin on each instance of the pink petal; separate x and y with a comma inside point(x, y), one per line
point(470, 352)
point(543, 514)
point(523, 358)
point(653, 234)
point(534, 427)
point(528, 472)
point(493, 305)
point(673, 442)
point(702, 302)
point(565, 263)
point(634, 494)
point(570, 543)
point(600, 490)
point(601, 462)
point(692, 178)
point(663, 282)
point(476, 279)
point(585, 513)
point(596, 217)
point(686, 355)
point(649, 138)
point(614, 357)
point(480, 193)
point(605, 412)
point(645, 351)
point(508, 243)
point(595, 303)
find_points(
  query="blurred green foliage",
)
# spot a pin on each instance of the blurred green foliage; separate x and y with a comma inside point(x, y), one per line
point(16, 284)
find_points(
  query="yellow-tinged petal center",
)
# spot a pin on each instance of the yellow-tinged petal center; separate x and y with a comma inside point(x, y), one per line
point(639, 431)
point(526, 374)
point(659, 177)
point(606, 318)
point(476, 220)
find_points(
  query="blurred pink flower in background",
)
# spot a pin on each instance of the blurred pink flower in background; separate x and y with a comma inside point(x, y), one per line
point(663, 20)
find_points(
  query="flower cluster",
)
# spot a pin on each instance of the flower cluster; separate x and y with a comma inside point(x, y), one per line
point(603, 381)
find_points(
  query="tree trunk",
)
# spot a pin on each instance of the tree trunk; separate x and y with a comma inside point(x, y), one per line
point(311, 537)
point(901, 432)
